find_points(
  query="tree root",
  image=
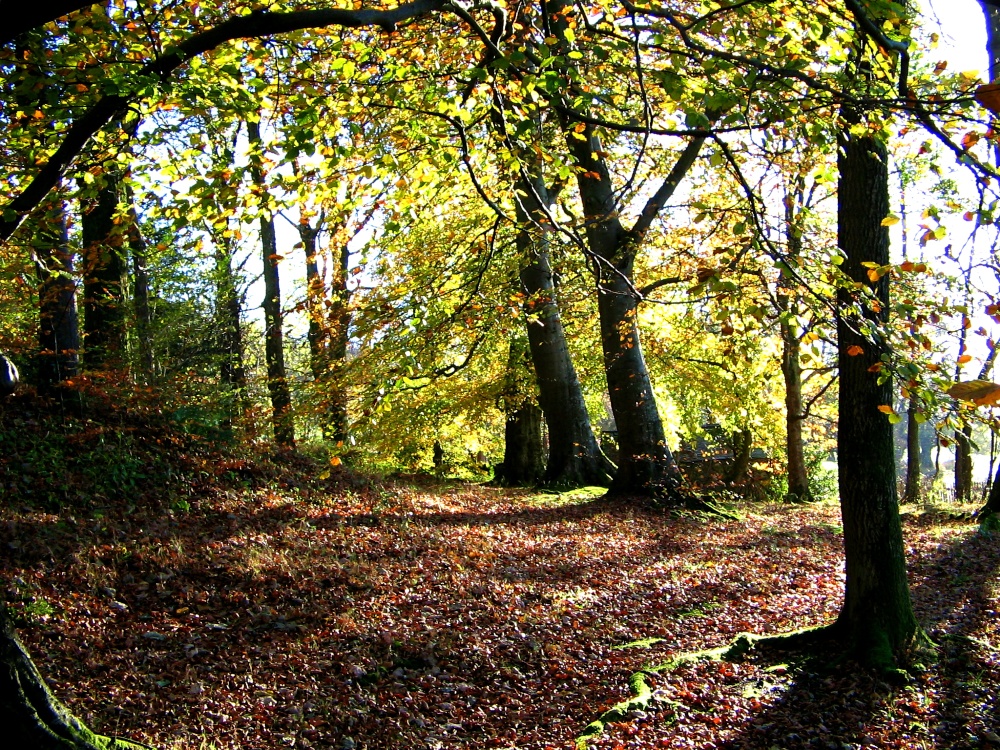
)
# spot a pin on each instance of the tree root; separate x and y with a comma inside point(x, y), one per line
point(642, 694)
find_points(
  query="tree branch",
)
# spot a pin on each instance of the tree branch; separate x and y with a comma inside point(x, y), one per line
point(256, 25)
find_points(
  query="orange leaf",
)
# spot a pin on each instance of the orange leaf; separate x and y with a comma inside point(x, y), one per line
point(964, 358)
point(854, 351)
point(885, 409)
point(980, 392)
point(970, 139)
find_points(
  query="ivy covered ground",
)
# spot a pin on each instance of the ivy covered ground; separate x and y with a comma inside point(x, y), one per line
point(196, 600)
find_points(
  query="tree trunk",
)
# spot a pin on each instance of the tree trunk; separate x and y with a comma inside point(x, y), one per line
point(31, 716)
point(575, 458)
point(791, 371)
point(523, 458)
point(742, 448)
point(58, 331)
point(340, 337)
point(877, 618)
point(232, 368)
point(274, 353)
point(103, 269)
point(140, 299)
point(991, 510)
point(645, 464)
point(963, 464)
point(911, 490)
point(329, 333)
point(791, 368)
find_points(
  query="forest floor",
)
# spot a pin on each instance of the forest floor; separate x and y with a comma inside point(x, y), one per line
point(208, 602)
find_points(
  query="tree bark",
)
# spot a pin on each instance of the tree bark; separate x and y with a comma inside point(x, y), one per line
point(911, 489)
point(58, 321)
point(791, 369)
point(963, 464)
point(329, 333)
point(877, 618)
point(140, 298)
point(523, 458)
point(575, 458)
point(742, 443)
point(340, 336)
point(103, 270)
point(646, 466)
point(31, 716)
point(988, 512)
point(232, 368)
point(274, 352)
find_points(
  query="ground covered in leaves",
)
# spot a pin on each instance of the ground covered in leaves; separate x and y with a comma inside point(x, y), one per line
point(210, 602)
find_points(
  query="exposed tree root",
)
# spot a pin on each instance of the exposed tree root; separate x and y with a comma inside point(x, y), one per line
point(642, 694)
point(32, 717)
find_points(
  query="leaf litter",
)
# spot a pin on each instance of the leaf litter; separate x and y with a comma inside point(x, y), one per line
point(283, 612)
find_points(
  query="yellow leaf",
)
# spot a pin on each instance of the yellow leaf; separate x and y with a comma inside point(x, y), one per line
point(889, 220)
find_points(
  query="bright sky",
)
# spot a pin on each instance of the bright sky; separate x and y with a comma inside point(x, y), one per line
point(963, 32)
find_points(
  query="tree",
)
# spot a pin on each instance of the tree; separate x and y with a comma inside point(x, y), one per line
point(876, 619)
point(575, 458)
point(58, 329)
point(103, 271)
point(522, 464)
point(274, 348)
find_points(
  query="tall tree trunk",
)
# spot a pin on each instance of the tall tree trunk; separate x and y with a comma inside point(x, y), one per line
point(340, 337)
point(911, 490)
point(232, 368)
point(329, 332)
point(103, 269)
point(58, 331)
point(877, 618)
point(523, 458)
point(791, 371)
point(140, 298)
point(791, 368)
point(963, 464)
point(575, 458)
point(645, 463)
point(274, 352)
point(31, 716)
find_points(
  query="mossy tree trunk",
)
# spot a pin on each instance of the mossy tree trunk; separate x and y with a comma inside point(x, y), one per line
point(31, 716)
point(877, 618)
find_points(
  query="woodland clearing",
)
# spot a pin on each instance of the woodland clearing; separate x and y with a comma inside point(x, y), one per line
point(242, 605)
